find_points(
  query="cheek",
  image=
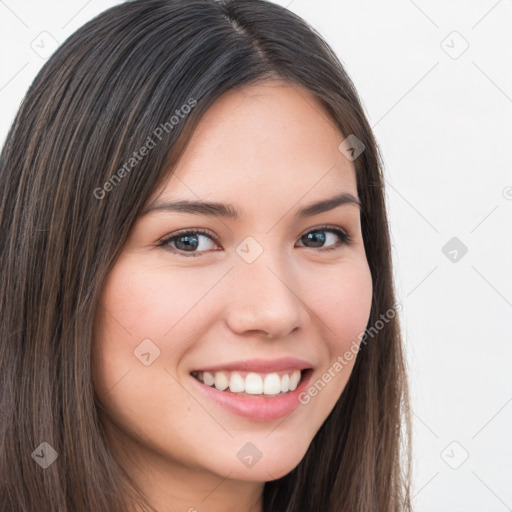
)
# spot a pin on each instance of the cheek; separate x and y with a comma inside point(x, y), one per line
point(343, 304)
point(148, 302)
point(141, 303)
point(137, 305)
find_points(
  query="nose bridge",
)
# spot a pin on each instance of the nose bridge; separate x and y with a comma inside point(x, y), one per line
point(264, 296)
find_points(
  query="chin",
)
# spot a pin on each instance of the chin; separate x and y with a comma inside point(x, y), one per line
point(269, 463)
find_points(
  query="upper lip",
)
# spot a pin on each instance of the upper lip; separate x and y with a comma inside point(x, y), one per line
point(259, 365)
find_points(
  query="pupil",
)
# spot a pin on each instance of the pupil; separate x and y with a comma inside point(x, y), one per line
point(188, 244)
point(315, 238)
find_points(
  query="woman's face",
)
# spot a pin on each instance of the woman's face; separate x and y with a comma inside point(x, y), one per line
point(268, 285)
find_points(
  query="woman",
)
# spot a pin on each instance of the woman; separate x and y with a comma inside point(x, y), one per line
point(197, 302)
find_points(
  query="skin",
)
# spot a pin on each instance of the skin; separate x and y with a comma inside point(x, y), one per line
point(268, 149)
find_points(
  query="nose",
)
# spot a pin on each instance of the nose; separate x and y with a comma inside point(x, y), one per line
point(264, 299)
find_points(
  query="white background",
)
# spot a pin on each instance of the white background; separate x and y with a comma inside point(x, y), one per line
point(443, 119)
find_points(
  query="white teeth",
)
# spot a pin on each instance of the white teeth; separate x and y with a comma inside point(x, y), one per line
point(294, 379)
point(253, 383)
point(236, 383)
point(285, 383)
point(208, 379)
point(221, 381)
point(272, 384)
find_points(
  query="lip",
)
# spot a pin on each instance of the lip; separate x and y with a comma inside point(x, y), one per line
point(256, 408)
point(259, 365)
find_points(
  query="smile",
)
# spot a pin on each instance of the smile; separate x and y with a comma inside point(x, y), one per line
point(253, 403)
point(251, 383)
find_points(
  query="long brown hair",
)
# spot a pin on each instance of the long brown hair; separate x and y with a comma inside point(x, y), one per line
point(66, 208)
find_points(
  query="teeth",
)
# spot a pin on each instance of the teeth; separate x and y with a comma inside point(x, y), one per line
point(236, 383)
point(221, 381)
point(272, 384)
point(285, 383)
point(294, 380)
point(252, 383)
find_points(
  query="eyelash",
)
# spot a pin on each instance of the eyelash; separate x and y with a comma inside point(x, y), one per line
point(345, 238)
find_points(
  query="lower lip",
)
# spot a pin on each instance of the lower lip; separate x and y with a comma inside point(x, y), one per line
point(258, 407)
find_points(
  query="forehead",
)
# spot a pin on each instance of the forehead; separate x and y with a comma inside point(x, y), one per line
point(271, 141)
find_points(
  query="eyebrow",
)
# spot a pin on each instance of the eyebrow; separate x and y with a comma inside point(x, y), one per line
point(216, 209)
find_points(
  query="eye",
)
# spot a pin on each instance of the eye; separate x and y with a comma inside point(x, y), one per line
point(318, 241)
point(187, 241)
